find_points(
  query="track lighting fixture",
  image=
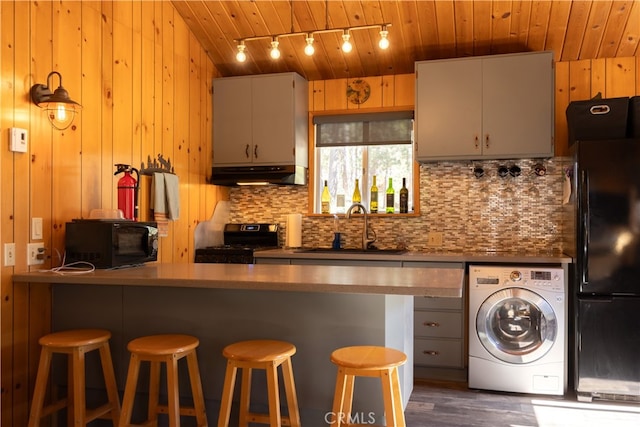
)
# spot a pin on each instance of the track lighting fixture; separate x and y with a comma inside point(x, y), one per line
point(309, 48)
point(241, 56)
point(275, 52)
point(346, 44)
point(384, 41)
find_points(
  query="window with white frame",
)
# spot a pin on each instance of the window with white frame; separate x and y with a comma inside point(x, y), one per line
point(361, 146)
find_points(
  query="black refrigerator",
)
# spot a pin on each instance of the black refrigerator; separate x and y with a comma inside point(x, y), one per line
point(606, 278)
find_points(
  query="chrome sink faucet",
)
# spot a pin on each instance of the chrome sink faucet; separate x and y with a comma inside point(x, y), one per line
point(366, 241)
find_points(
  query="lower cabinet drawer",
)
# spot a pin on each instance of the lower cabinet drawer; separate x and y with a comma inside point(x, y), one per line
point(437, 324)
point(443, 353)
point(438, 303)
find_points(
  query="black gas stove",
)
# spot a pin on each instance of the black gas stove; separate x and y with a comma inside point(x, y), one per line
point(240, 241)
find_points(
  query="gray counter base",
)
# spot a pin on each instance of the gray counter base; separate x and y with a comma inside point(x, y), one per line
point(317, 323)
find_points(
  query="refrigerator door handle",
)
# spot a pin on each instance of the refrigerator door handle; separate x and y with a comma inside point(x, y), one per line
point(584, 177)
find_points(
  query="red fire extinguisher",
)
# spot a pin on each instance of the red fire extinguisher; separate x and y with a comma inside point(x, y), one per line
point(128, 191)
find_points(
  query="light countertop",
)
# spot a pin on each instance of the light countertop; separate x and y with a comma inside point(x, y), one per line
point(432, 282)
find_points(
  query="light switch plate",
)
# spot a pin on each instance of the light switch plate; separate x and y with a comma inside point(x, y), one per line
point(9, 254)
point(36, 228)
point(18, 140)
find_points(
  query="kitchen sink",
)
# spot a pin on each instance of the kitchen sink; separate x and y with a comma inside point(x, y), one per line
point(353, 251)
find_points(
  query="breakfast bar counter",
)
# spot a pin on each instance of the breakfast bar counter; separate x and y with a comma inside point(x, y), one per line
point(433, 282)
point(317, 308)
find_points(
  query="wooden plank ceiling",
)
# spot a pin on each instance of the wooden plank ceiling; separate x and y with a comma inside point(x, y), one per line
point(420, 30)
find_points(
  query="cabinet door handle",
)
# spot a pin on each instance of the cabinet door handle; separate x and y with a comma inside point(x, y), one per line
point(255, 151)
point(246, 151)
point(486, 141)
point(476, 142)
point(431, 324)
point(431, 352)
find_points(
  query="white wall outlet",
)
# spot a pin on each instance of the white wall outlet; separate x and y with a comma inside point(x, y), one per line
point(9, 254)
point(434, 238)
point(35, 253)
point(36, 228)
point(18, 140)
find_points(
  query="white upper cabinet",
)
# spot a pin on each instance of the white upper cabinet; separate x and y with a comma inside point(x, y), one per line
point(495, 107)
point(260, 120)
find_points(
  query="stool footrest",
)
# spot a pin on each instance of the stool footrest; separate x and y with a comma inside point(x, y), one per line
point(150, 423)
point(164, 409)
point(54, 407)
point(253, 417)
point(93, 414)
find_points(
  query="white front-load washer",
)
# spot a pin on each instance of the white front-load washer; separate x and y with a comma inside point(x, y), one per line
point(517, 329)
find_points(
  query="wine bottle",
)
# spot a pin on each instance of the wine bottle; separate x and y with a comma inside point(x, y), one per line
point(390, 197)
point(373, 198)
point(326, 198)
point(356, 198)
point(404, 197)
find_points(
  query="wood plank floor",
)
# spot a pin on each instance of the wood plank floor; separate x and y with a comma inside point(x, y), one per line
point(440, 404)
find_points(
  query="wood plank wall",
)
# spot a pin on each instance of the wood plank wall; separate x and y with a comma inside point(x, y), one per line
point(582, 80)
point(145, 85)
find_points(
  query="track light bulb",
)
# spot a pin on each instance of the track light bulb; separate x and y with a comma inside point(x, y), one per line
point(309, 49)
point(346, 45)
point(384, 41)
point(275, 52)
point(241, 56)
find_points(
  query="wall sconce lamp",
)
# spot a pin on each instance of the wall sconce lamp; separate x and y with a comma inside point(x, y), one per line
point(60, 109)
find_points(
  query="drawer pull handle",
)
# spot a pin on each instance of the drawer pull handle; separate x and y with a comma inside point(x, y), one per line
point(432, 324)
point(431, 353)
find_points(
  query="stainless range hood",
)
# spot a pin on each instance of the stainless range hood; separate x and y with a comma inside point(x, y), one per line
point(259, 175)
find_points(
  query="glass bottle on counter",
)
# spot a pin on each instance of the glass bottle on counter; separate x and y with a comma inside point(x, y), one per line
point(357, 198)
point(373, 200)
point(325, 199)
point(404, 197)
point(390, 197)
point(356, 193)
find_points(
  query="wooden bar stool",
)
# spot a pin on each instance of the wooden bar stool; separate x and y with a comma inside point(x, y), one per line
point(169, 349)
point(75, 343)
point(368, 361)
point(267, 355)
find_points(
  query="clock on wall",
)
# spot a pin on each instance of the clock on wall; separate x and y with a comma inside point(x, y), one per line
point(358, 91)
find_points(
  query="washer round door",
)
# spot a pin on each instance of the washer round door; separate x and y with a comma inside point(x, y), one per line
point(516, 325)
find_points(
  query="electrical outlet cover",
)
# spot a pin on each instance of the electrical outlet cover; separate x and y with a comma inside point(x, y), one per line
point(33, 250)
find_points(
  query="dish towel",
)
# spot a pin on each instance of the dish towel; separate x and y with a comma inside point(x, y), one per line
point(165, 200)
point(172, 194)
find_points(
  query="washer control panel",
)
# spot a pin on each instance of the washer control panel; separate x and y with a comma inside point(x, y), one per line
point(532, 277)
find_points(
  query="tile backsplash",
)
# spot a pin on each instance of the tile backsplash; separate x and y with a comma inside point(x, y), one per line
point(491, 213)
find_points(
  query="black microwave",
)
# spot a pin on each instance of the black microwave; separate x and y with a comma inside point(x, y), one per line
point(107, 243)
